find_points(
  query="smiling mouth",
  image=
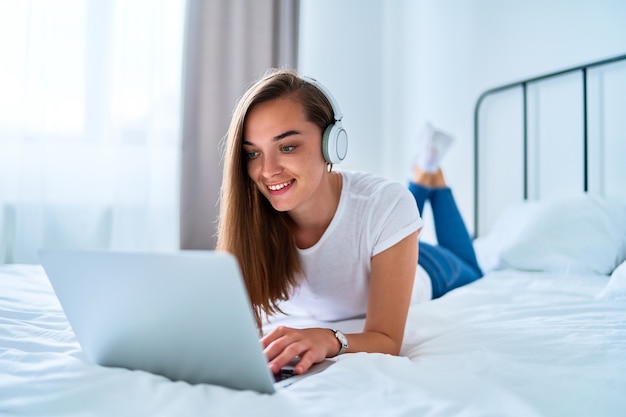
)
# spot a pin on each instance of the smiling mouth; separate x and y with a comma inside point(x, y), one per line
point(278, 187)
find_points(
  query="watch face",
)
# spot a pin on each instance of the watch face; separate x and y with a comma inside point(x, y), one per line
point(342, 338)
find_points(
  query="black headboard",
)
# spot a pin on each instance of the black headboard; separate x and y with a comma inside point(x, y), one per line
point(523, 86)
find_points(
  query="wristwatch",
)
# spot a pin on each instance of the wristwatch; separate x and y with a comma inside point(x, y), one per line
point(343, 340)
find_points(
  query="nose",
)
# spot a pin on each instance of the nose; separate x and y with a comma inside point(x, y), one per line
point(271, 166)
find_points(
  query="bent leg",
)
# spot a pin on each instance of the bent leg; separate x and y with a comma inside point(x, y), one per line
point(450, 229)
point(447, 271)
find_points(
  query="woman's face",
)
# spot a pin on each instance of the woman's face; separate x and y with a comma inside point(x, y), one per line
point(284, 154)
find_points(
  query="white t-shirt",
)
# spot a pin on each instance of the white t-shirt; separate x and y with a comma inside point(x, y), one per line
point(373, 214)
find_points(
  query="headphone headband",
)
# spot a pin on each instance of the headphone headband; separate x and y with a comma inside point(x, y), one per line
point(334, 137)
point(337, 115)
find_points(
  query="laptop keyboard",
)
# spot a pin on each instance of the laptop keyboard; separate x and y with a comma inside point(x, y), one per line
point(284, 374)
point(287, 371)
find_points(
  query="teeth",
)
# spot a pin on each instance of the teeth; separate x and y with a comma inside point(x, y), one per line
point(277, 187)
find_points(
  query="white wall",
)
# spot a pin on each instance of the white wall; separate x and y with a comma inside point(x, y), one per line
point(395, 64)
point(341, 46)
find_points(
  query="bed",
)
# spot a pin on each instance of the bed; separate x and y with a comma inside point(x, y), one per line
point(543, 333)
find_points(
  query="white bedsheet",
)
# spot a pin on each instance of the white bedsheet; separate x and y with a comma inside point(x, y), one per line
point(510, 344)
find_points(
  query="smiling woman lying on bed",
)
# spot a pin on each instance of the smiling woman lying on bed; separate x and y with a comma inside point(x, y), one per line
point(329, 245)
point(542, 333)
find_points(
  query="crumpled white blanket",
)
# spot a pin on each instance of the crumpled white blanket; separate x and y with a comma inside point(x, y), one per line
point(510, 344)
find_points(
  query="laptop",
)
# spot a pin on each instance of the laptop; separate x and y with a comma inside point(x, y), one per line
point(184, 315)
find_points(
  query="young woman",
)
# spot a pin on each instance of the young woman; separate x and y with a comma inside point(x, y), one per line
point(312, 242)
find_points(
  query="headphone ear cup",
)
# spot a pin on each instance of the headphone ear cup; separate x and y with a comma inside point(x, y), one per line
point(334, 143)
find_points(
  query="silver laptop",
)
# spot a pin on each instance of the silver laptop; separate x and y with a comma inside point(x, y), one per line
point(184, 315)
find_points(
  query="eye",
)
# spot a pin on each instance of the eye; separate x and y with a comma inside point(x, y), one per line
point(251, 154)
point(287, 149)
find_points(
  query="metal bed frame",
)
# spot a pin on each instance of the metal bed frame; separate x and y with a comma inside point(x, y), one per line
point(523, 84)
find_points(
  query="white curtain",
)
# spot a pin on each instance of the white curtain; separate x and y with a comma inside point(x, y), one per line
point(89, 125)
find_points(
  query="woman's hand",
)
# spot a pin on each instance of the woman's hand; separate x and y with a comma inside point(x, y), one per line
point(283, 344)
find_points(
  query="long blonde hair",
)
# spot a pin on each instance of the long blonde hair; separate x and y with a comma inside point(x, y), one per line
point(260, 237)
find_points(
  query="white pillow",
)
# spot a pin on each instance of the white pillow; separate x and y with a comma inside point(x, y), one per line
point(616, 287)
point(585, 235)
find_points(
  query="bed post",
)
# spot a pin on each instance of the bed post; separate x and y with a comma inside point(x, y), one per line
point(585, 134)
point(524, 83)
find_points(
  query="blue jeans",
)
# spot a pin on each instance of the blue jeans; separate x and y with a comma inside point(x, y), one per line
point(452, 263)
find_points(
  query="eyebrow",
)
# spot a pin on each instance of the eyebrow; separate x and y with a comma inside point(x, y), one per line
point(278, 137)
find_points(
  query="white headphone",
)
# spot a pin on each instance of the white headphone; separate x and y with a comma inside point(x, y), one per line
point(334, 138)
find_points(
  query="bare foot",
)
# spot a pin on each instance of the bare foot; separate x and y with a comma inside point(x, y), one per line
point(429, 179)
